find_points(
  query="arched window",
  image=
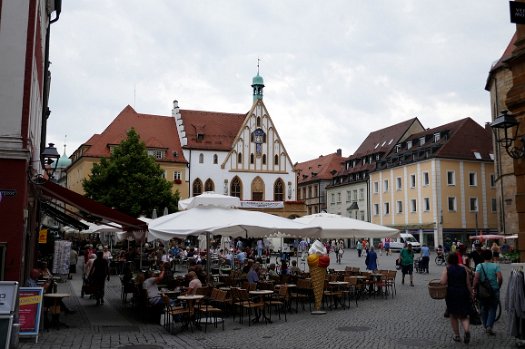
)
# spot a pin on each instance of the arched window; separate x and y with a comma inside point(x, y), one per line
point(278, 190)
point(257, 189)
point(201, 158)
point(236, 187)
point(239, 158)
point(252, 158)
point(264, 159)
point(209, 185)
point(258, 121)
point(197, 187)
point(215, 159)
point(276, 159)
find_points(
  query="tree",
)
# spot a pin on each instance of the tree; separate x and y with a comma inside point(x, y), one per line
point(130, 180)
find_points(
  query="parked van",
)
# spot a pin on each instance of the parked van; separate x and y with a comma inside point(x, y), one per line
point(399, 243)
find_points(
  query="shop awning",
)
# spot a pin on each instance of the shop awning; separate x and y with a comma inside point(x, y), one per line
point(89, 209)
point(62, 217)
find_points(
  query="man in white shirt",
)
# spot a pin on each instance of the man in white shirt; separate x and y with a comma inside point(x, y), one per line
point(151, 287)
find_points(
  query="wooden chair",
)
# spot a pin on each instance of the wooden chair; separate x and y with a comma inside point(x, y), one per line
point(351, 289)
point(390, 282)
point(206, 312)
point(175, 313)
point(246, 303)
point(332, 295)
point(280, 301)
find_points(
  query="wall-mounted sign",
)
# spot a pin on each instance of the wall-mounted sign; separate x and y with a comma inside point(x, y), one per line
point(42, 236)
point(517, 12)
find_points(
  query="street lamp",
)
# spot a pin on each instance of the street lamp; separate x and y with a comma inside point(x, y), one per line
point(48, 157)
point(506, 122)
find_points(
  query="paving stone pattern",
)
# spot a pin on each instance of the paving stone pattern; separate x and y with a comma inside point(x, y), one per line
point(409, 320)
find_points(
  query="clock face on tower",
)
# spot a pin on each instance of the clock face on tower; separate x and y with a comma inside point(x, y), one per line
point(258, 137)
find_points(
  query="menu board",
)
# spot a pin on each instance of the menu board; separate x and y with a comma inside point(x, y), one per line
point(30, 309)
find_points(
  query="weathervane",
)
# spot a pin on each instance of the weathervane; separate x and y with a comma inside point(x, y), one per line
point(258, 61)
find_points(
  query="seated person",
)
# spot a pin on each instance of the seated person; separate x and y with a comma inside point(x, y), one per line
point(271, 271)
point(253, 274)
point(294, 269)
point(152, 289)
point(194, 284)
point(32, 281)
point(45, 273)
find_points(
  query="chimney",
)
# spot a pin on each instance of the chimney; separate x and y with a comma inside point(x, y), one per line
point(339, 152)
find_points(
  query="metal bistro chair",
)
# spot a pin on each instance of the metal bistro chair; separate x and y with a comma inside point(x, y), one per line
point(175, 313)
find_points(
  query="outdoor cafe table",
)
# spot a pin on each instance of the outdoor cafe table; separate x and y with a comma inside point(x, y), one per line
point(190, 299)
point(264, 294)
point(55, 308)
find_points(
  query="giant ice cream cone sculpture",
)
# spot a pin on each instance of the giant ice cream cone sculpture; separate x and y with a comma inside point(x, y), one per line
point(318, 261)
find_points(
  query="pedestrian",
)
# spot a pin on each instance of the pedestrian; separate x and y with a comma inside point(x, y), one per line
point(387, 246)
point(475, 255)
point(495, 251)
point(99, 274)
point(458, 297)
point(425, 258)
point(371, 259)
point(406, 260)
point(73, 259)
point(491, 271)
point(359, 248)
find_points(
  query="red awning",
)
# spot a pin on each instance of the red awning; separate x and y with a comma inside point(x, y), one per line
point(90, 209)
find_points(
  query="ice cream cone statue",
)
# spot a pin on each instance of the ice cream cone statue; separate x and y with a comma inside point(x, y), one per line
point(318, 260)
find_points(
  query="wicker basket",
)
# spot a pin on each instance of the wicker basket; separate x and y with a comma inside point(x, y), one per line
point(436, 289)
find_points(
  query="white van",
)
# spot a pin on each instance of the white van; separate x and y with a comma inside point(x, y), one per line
point(399, 242)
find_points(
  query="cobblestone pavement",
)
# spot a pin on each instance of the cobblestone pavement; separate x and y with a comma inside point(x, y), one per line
point(409, 320)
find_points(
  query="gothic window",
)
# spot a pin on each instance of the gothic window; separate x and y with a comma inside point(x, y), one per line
point(209, 185)
point(215, 159)
point(197, 187)
point(258, 121)
point(257, 189)
point(236, 187)
point(264, 159)
point(278, 190)
point(252, 158)
point(201, 158)
point(239, 158)
point(276, 159)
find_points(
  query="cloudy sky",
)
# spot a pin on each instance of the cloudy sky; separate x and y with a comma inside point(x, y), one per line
point(334, 70)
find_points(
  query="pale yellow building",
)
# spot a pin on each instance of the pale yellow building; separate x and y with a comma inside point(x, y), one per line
point(438, 184)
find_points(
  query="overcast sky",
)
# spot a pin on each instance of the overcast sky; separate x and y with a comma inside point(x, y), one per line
point(334, 71)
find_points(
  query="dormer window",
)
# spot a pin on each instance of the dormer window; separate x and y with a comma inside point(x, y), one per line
point(409, 144)
point(397, 148)
point(437, 137)
point(200, 137)
point(421, 140)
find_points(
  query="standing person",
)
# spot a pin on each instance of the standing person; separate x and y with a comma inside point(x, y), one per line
point(340, 251)
point(425, 258)
point(475, 255)
point(458, 301)
point(359, 248)
point(99, 275)
point(495, 251)
point(492, 272)
point(406, 260)
point(371, 259)
point(260, 247)
point(73, 259)
point(387, 246)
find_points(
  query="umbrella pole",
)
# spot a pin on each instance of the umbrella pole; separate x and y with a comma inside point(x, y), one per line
point(208, 261)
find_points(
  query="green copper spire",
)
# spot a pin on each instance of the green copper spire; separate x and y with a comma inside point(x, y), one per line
point(257, 85)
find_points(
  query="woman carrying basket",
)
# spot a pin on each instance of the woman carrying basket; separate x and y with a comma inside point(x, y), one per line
point(458, 297)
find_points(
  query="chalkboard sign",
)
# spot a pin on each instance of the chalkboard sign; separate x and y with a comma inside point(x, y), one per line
point(30, 310)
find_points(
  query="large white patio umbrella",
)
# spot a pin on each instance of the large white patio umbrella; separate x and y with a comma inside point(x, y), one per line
point(226, 221)
point(210, 198)
point(336, 226)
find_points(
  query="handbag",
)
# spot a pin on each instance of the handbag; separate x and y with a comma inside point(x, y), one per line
point(474, 316)
point(485, 291)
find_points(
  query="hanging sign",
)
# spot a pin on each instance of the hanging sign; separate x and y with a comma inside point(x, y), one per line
point(517, 12)
point(42, 236)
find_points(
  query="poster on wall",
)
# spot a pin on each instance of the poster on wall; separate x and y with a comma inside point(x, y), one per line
point(30, 310)
point(61, 256)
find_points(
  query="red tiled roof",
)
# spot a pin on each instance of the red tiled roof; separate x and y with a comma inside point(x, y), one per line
point(155, 131)
point(384, 140)
point(501, 62)
point(218, 129)
point(323, 167)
